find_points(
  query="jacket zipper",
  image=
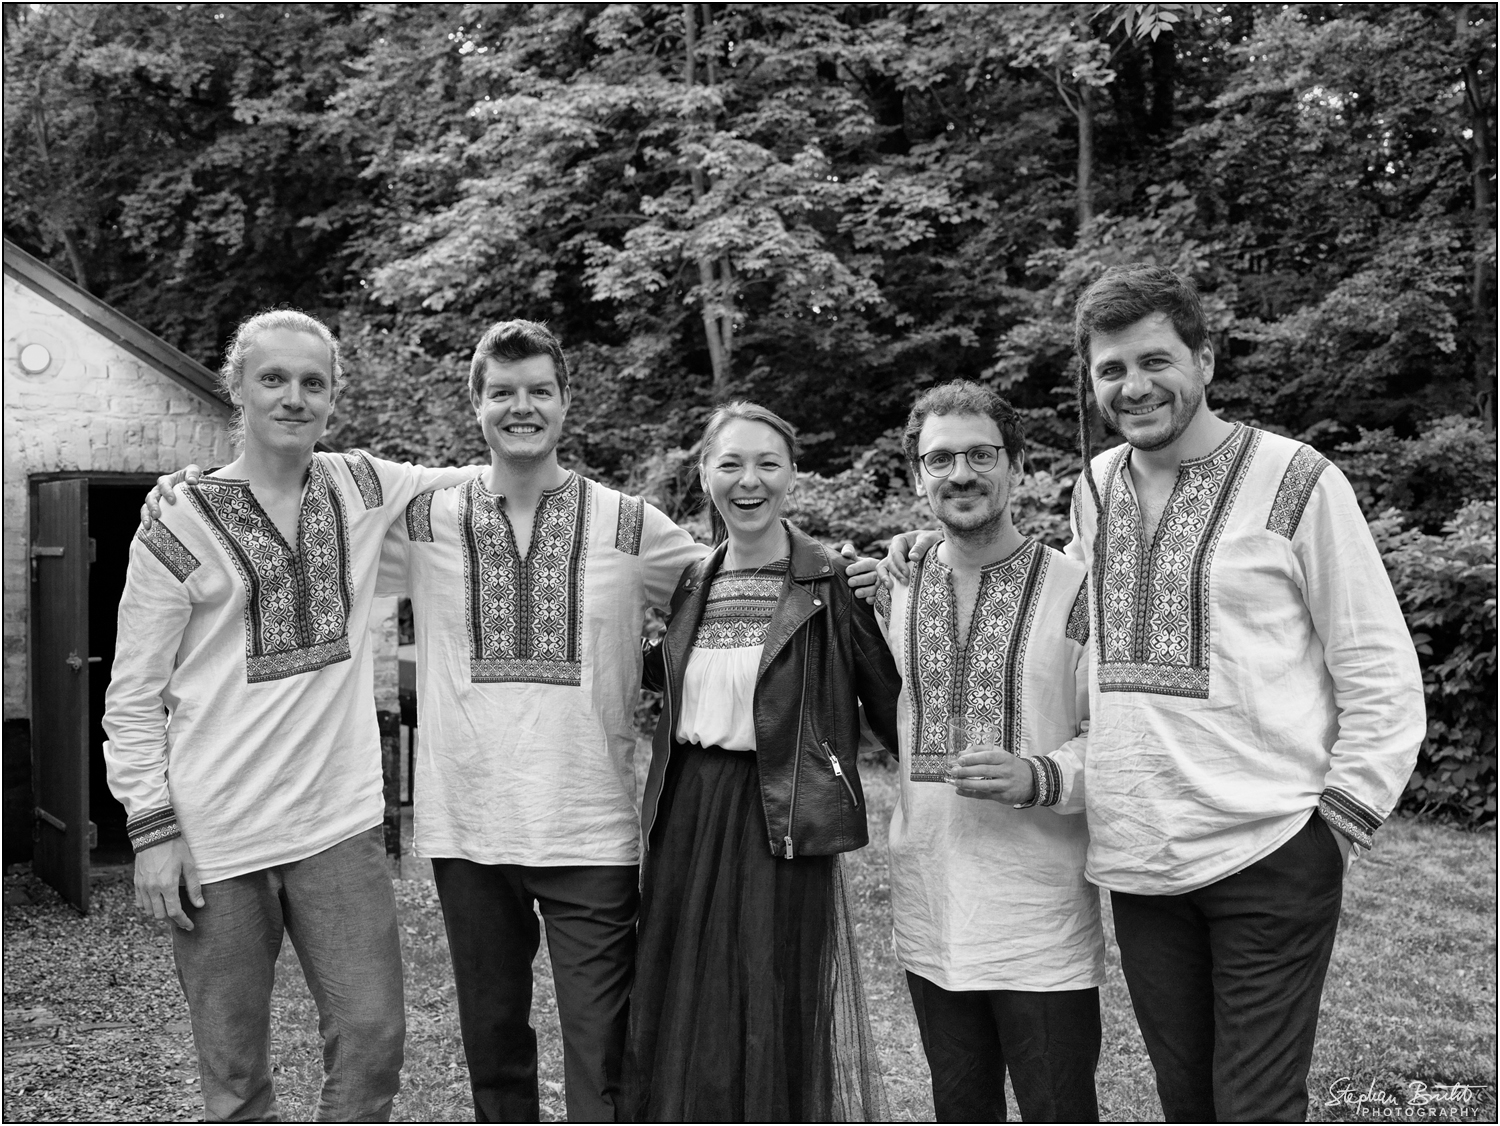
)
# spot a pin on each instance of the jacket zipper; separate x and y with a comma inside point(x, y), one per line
point(839, 770)
point(791, 812)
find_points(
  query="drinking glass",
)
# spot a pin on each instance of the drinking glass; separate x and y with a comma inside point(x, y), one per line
point(967, 734)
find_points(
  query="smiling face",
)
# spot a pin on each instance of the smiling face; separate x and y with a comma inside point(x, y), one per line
point(1148, 383)
point(747, 473)
point(285, 391)
point(968, 504)
point(521, 408)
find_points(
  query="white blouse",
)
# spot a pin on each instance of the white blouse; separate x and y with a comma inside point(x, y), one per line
point(718, 685)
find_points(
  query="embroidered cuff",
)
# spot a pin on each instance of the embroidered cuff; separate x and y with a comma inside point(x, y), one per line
point(1350, 816)
point(153, 828)
point(1048, 782)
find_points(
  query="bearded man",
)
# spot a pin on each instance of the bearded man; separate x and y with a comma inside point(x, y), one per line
point(997, 929)
point(1256, 703)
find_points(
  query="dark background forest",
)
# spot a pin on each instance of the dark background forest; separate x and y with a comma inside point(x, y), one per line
point(825, 209)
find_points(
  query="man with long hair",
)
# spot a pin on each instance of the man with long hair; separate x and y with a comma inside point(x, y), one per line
point(242, 742)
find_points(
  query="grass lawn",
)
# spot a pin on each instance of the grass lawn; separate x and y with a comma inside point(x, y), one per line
point(95, 1025)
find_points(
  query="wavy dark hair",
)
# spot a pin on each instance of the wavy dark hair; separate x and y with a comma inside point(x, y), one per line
point(730, 412)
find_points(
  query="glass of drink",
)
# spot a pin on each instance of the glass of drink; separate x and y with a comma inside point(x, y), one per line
point(967, 734)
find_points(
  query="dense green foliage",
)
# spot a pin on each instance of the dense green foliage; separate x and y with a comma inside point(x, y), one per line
point(824, 208)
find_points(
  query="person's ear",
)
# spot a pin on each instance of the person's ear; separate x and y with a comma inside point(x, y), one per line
point(1206, 362)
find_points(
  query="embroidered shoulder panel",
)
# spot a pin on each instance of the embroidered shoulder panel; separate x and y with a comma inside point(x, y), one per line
point(883, 601)
point(628, 527)
point(1153, 599)
point(419, 518)
point(983, 680)
point(365, 478)
point(1296, 489)
point(296, 602)
point(1078, 617)
point(525, 615)
point(172, 552)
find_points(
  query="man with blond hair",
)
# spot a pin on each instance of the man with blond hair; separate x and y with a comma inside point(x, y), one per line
point(242, 740)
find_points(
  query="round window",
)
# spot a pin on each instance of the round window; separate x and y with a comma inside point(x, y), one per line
point(35, 358)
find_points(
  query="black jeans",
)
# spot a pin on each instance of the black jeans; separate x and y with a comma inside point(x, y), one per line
point(1226, 981)
point(590, 912)
point(1049, 1041)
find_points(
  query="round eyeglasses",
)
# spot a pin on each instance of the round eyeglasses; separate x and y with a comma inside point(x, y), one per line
point(981, 459)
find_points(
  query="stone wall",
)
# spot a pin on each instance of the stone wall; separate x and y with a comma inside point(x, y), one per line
point(95, 407)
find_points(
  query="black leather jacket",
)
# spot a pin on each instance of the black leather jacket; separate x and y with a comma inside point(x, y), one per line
point(823, 654)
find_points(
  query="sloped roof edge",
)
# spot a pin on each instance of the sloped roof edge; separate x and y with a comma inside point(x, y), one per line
point(111, 323)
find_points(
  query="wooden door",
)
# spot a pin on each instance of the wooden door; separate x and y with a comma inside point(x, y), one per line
point(60, 687)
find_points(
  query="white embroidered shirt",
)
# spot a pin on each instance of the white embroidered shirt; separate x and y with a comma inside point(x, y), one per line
point(240, 709)
point(983, 895)
point(1251, 665)
point(528, 670)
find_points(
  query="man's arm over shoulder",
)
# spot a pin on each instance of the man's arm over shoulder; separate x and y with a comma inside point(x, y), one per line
point(391, 485)
point(1367, 647)
point(665, 549)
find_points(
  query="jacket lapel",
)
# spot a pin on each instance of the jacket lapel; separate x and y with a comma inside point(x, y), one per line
point(797, 603)
point(686, 615)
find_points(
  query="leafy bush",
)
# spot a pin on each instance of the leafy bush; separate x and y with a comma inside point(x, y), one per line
point(1446, 586)
point(1428, 477)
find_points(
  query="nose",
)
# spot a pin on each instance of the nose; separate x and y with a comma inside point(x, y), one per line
point(292, 395)
point(1136, 385)
point(962, 471)
point(749, 476)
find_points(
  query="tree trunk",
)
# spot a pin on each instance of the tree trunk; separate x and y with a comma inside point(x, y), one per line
point(1163, 50)
point(1085, 156)
point(715, 321)
point(80, 274)
point(1481, 282)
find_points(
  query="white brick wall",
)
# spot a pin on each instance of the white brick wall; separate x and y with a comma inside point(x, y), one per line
point(96, 407)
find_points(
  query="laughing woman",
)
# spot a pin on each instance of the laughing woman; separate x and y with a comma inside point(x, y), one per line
point(747, 1003)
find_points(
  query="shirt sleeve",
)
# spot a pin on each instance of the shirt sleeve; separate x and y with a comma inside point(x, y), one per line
point(1059, 774)
point(154, 613)
point(666, 550)
point(395, 550)
point(401, 481)
point(1377, 681)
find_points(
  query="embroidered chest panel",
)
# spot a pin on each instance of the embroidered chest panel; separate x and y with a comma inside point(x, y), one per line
point(525, 615)
point(296, 602)
point(983, 680)
point(1153, 599)
point(739, 608)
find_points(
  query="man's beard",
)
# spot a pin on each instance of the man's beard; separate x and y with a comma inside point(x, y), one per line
point(977, 527)
point(1184, 410)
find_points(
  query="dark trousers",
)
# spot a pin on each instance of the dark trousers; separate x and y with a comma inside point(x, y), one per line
point(590, 913)
point(1049, 1041)
point(1226, 981)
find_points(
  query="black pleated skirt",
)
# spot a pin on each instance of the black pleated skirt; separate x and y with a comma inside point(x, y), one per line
point(747, 1004)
